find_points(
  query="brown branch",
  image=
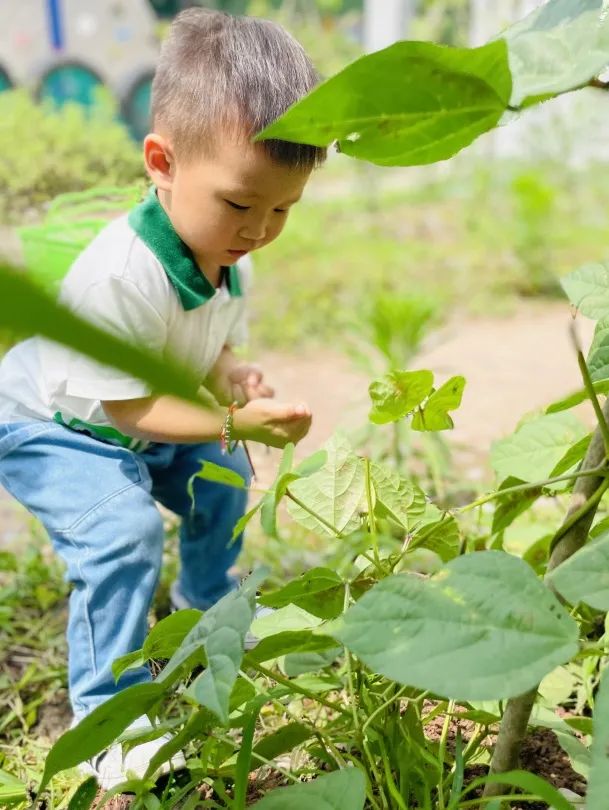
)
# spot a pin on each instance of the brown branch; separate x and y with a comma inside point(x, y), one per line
point(569, 539)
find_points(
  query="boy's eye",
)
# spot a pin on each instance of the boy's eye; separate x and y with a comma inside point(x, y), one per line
point(281, 210)
point(237, 206)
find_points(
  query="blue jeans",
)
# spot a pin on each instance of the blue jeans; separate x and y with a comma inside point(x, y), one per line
point(97, 502)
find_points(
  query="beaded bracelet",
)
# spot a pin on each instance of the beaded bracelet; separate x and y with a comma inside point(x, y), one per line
point(226, 443)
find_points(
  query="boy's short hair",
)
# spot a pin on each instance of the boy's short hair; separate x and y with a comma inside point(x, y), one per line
point(219, 73)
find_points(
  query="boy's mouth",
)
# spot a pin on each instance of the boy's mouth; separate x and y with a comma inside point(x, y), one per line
point(237, 253)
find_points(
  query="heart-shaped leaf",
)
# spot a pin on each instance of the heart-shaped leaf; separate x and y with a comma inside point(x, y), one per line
point(484, 628)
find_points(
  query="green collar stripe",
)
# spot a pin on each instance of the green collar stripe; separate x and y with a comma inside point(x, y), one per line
point(153, 226)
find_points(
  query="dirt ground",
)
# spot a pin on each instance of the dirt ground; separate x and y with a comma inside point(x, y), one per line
point(512, 365)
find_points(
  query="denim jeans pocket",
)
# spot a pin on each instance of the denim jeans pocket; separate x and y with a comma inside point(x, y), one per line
point(12, 434)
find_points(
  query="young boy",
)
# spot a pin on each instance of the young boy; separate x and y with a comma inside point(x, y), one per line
point(88, 449)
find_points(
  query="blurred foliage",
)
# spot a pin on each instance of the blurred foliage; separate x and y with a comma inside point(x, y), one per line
point(535, 202)
point(473, 240)
point(445, 21)
point(319, 30)
point(44, 151)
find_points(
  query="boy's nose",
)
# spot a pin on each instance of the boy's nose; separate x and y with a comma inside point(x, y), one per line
point(253, 232)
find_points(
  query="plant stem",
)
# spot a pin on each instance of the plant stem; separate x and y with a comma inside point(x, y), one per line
point(575, 516)
point(442, 751)
point(382, 707)
point(601, 470)
point(389, 778)
point(350, 687)
point(301, 690)
point(589, 386)
point(375, 773)
point(319, 735)
point(313, 514)
point(229, 740)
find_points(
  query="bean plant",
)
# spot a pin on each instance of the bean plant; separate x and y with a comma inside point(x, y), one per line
point(420, 612)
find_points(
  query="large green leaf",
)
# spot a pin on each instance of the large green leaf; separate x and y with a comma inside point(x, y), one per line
point(286, 642)
point(584, 577)
point(162, 641)
point(537, 446)
point(335, 492)
point(409, 104)
point(598, 356)
point(434, 414)
point(598, 783)
point(27, 310)
point(319, 591)
point(338, 790)
point(587, 288)
point(397, 394)
point(98, 729)
point(484, 628)
point(558, 47)
point(221, 633)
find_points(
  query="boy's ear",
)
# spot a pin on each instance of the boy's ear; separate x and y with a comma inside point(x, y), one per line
point(159, 160)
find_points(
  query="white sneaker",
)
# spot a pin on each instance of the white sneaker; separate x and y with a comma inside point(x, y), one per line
point(179, 602)
point(110, 767)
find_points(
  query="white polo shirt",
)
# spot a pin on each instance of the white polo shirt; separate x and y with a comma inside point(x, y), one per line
point(139, 281)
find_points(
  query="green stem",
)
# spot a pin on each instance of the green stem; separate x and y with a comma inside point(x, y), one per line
point(260, 758)
point(598, 411)
point(389, 778)
point(350, 687)
point(576, 516)
point(375, 772)
point(316, 732)
point(382, 707)
point(598, 471)
point(313, 514)
point(442, 751)
point(301, 690)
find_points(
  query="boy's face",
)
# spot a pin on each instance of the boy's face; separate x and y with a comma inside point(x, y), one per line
point(231, 202)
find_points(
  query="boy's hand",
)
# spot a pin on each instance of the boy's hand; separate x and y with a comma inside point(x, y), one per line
point(272, 423)
point(247, 383)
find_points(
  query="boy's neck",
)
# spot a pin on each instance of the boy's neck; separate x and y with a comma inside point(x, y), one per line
point(212, 274)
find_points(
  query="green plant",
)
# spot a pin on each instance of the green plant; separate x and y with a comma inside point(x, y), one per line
point(73, 150)
point(385, 339)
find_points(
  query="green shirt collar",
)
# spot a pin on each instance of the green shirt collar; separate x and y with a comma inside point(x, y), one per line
point(153, 226)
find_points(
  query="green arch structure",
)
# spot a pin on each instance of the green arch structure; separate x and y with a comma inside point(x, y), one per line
point(69, 81)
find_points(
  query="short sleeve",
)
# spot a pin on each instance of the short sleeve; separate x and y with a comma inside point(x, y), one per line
point(238, 334)
point(120, 307)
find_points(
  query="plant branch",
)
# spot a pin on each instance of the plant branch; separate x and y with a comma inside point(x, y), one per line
point(600, 470)
point(295, 687)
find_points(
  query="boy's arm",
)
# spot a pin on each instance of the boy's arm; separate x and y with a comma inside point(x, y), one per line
point(166, 418)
